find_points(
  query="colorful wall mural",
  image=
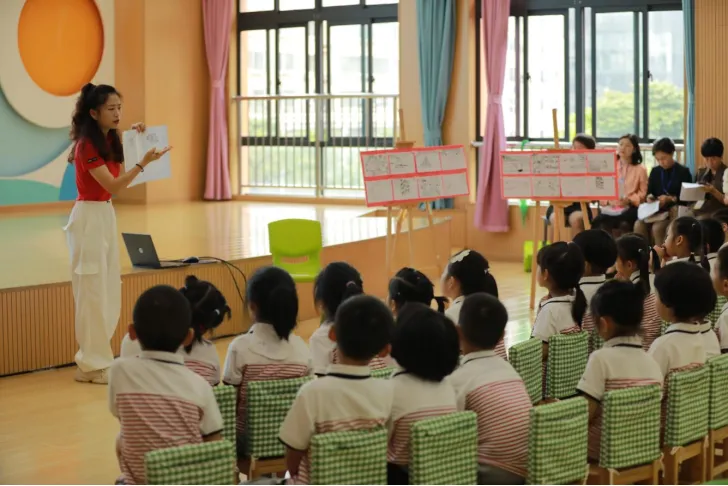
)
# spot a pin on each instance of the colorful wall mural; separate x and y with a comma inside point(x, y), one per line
point(48, 50)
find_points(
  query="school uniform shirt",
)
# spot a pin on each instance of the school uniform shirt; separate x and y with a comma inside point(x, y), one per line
point(324, 352)
point(651, 327)
point(489, 386)
point(453, 312)
point(414, 399)
point(554, 317)
point(590, 285)
point(160, 403)
point(712, 259)
point(681, 347)
point(86, 157)
point(347, 398)
point(130, 348)
point(722, 327)
point(620, 363)
point(710, 340)
point(261, 355)
point(671, 260)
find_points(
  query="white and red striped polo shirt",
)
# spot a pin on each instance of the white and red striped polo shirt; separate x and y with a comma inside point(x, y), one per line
point(722, 328)
point(346, 398)
point(554, 317)
point(414, 399)
point(202, 358)
point(489, 386)
point(681, 346)
point(621, 363)
point(160, 403)
point(261, 355)
point(324, 352)
point(651, 326)
point(453, 312)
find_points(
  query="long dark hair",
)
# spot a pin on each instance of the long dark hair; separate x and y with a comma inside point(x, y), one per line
point(565, 265)
point(637, 153)
point(633, 247)
point(690, 229)
point(410, 285)
point(209, 307)
point(84, 127)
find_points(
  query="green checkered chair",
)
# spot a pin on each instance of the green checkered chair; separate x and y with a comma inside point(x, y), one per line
point(557, 442)
point(664, 327)
point(595, 341)
point(382, 373)
point(686, 425)
point(526, 358)
point(445, 450)
point(226, 397)
point(715, 313)
point(206, 463)
point(718, 416)
point(568, 354)
point(267, 407)
point(630, 442)
point(349, 457)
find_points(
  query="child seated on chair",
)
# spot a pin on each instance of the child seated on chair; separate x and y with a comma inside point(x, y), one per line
point(560, 268)
point(209, 309)
point(269, 350)
point(685, 295)
point(621, 363)
point(489, 386)
point(427, 348)
point(600, 254)
point(337, 282)
point(159, 402)
point(346, 398)
point(468, 272)
point(720, 284)
point(410, 285)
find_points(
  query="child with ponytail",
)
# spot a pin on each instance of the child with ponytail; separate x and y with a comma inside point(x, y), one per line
point(684, 242)
point(269, 350)
point(560, 267)
point(410, 285)
point(633, 262)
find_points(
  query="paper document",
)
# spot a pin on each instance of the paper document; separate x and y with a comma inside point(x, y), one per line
point(692, 192)
point(137, 144)
point(645, 210)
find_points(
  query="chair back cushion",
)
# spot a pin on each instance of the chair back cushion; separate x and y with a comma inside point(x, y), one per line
point(526, 359)
point(349, 457)
point(382, 373)
point(688, 401)
point(568, 354)
point(718, 370)
point(206, 463)
point(225, 395)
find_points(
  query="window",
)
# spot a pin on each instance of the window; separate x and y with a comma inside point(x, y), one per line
point(609, 67)
point(317, 83)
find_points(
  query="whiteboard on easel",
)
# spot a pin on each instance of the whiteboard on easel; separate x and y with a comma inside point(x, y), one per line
point(566, 175)
point(412, 175)
point(137, 144)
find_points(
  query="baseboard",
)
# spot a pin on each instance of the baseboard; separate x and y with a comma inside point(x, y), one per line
point(300, 200)
point(39, 207)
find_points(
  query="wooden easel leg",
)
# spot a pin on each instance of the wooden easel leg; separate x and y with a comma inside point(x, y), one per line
point(433, 236)
point(397, 231)
point(388, 242)
point(536, 241)
point(585, 213)
point(410, 229)
point(558, 222)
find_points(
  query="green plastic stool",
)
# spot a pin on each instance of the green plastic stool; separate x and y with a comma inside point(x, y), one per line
point(295, 245)
point(528, 254)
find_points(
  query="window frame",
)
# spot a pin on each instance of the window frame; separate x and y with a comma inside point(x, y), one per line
point(523, 9)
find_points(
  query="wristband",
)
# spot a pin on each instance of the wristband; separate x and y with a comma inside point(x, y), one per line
point(140, 167)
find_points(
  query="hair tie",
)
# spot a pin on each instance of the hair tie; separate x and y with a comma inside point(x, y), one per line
point(460, 256)
point(217, 312)
point(486, 271)
point(351, 283)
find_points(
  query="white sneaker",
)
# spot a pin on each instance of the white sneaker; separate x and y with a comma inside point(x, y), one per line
point(99, 377)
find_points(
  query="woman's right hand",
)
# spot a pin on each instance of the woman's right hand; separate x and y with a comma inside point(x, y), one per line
point(153, 154)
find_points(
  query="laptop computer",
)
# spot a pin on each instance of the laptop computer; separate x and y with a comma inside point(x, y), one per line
point(143, 254)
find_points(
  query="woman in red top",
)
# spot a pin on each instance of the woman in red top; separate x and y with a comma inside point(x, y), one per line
point(91, 231)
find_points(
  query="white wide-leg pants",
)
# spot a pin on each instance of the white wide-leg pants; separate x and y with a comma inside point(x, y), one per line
point(96, 280)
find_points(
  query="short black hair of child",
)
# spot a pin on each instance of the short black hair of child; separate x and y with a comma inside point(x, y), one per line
point(472, 271)
point(722, 264)
point(664, 144)
point(622, 301)
point(273, 292)
point(483, 320)
point(599, 249)
point(209, 307)
point(363, 326)
point(713, 236)
point(410, 285)
point(334, 284)
point(425, 343)
point(712, 147)
point(162, 319)
point(687, 290)
point(586, 140)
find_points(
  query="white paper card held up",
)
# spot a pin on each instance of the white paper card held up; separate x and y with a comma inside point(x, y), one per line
point(601, 162)
point(645, 210)
point(517, 187)
point(405, 189)
point(379, 191)
point(453, 159)
point(137, 144)
point(455, 185)
point(546, 187)
point(430, 187)
point(692, 192)
point(375, 165)
point(517, 164)
point(545, 163)
point(402, 163)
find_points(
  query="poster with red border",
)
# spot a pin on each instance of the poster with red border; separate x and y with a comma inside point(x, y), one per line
point(412, 175)
point(553, 175)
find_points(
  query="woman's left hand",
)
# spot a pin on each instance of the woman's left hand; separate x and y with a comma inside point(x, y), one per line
point(139, 127)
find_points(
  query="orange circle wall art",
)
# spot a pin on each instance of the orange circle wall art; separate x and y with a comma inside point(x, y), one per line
point(61, 43)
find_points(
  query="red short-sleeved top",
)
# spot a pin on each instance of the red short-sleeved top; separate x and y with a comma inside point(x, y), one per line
point(86, 157)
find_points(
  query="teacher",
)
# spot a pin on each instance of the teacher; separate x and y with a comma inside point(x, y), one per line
point(91, 233)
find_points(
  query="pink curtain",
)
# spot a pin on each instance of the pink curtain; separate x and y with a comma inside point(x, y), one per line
point(491, 211)
point(217, 18)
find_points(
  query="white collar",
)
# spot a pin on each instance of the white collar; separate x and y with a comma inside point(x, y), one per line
point(635, 276)
point(712, 256)
point(348, 371)
point(564, 298)
point(174, 358)
point(596, 279)
point(684, 328)
point(267, 343)
point(486, 353)
point(624, 341)
point(458, 300)
point(683, 259)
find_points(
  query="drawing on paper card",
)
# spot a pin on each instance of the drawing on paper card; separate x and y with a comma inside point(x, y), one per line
point(453, 159)
point(573, 187)
point(430, 187)
point(572, 163)
point(379, 191)
point(405, 189)
point(599, 183)
point(546, 187)
point(455, 185)
point(516, 164)
point(375, 165)
point(601, 162)
point(427, 161)
point(545, 164)
point(402, 163)
point(516, 187)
